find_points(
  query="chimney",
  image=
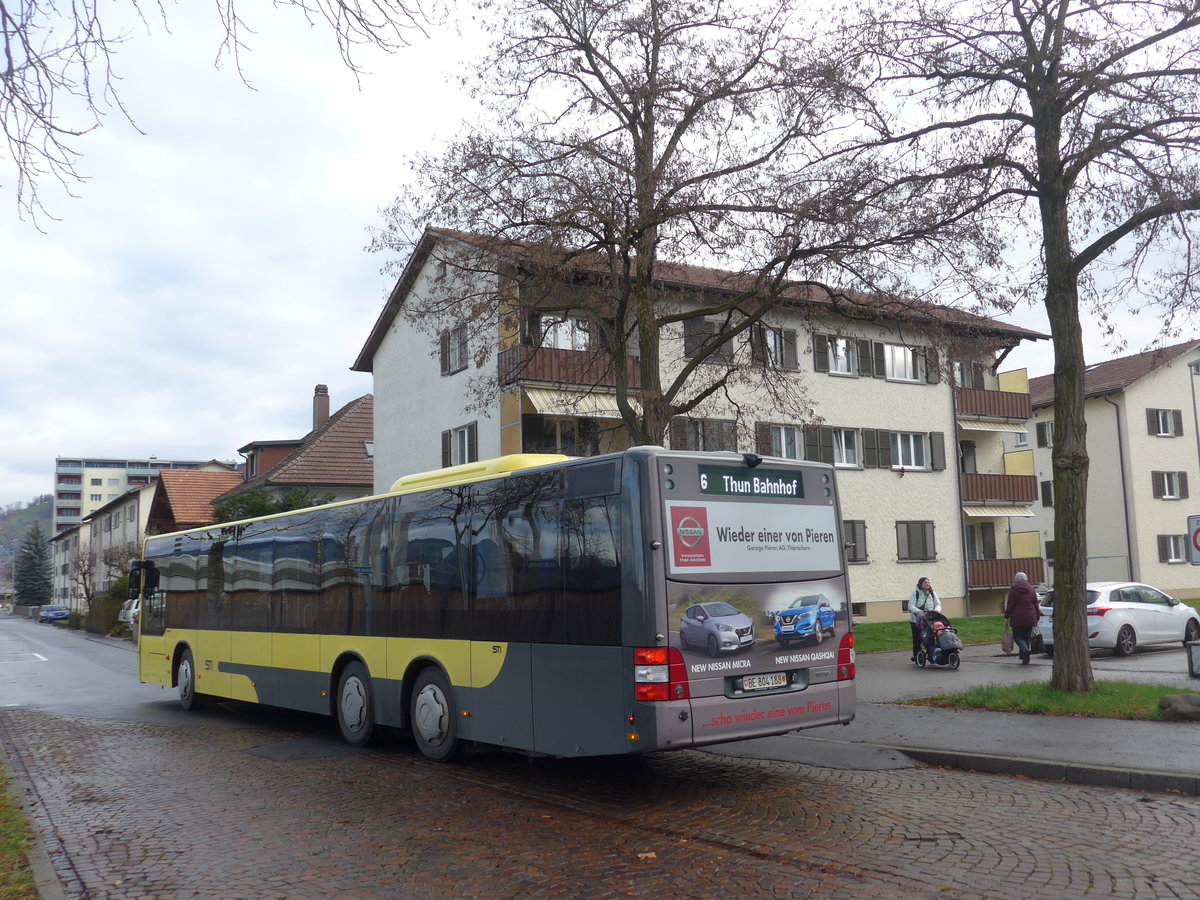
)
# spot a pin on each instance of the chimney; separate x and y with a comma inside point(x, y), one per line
point(320, 406)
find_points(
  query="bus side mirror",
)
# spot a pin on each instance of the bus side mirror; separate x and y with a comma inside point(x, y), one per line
point(143, 578)
point(135, 581)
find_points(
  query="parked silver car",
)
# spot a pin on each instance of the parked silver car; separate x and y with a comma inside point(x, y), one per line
point(718, 627)
point(1123, 615)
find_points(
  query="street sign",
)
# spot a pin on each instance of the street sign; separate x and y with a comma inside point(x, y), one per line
point(1194, 540)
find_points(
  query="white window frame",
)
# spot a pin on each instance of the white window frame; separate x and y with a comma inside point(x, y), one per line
point(785, 438)
point(1021, 439)
point(910, 450)
point(840, 355)
point(1166, 422)
point(566, 332)
point(1177, 552)
point(846, 452)
point(1171, 486)
point(460, 444)
point(457, 355)
point(903, 363)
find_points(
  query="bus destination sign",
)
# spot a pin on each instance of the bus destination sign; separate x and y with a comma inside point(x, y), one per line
point(728, 481)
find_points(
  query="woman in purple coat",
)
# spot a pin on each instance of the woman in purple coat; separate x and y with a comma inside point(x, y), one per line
point(1022, 612)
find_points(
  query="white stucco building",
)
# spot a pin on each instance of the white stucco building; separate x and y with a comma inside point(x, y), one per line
point(1143, 442)
point(905, 402)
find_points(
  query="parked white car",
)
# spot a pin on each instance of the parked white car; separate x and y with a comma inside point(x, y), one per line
point(1123, 615)
point(129, 611)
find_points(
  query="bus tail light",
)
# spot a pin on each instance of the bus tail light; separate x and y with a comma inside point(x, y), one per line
point(659, 674)
point(846, 667)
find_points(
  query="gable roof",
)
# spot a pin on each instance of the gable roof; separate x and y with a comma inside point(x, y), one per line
point(189, 493)
point(334, 454)
point(670, 275)
point(1113, 375)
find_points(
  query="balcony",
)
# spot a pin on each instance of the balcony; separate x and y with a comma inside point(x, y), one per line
point(556, 366)
point(992, 404)
point(999, 488)
point(997, 573)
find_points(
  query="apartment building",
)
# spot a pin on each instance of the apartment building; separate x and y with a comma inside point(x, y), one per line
point(1143, 440)
point(84, 484)
point(904, 401)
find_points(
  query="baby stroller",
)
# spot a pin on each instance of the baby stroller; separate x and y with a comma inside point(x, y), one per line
point(939, 641)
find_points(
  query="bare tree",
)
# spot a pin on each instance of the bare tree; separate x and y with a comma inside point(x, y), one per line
point(57, 79)
point(626, 134)
point(1081, 117)
point(84, 572)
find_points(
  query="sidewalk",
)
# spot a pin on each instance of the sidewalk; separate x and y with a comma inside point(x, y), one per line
point(1149, 756)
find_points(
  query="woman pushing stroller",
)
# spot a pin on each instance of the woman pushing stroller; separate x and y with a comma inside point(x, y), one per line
point(924, 599)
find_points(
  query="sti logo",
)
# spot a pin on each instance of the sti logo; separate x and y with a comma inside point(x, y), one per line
point(689, 525)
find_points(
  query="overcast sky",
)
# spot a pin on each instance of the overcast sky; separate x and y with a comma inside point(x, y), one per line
point(212, 270)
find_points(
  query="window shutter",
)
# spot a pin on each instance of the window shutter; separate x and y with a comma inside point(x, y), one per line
point(933, 372)
point(884, 442)
point(763, 445)
point(445, 350)
point(790, 360)
point(866, 363)
point(826, 455)
point(1177, 421)
point(902, 540)
point(880, 350)
point(927, 535)
point(445, 449)
point(870, 448)
point(1152, 421)
point(1047, 493)
point(533, 329)
point(719, 435)
point(678, 434)
point(937, 451)
point(1041, 434)
point(1183, 491)
point(820, 353)
point(1164, 547)
point(1049, 552)
point(758, 346)
point(987, 532)
point(695, 333)
point(977, 377)
point(472, 442)
point(1158, 484)
point(812, 443)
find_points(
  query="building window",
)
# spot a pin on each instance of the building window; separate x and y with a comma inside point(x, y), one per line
point(114, 482)
point(904, 363)
point(779, 440)
point(1021, 439)
point(845, 447)
point(774, 347)
point(1169, 485)
point(833, 354)
point(908, 451)
point(96, 498)
point(697, 332)
point(460, 445)
point(97, 482)
point(566, 332)
point(1164, 422)
point(969, 375)
point(1045, 434)
point(1049, 553)
point(914, 540)
point(981, 540)
point(854, 533)
point(454, 350)
point(1172, 548)
point(703, 434)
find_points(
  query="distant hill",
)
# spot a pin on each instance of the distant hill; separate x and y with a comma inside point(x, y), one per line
point(16, 518)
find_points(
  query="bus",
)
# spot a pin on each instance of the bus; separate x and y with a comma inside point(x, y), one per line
point(639, 601)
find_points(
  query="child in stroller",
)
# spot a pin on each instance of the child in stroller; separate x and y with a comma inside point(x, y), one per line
point(939, 641)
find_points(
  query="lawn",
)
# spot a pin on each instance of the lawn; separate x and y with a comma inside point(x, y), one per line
point(878, 636)
point(1109, 700)
point(16, 883)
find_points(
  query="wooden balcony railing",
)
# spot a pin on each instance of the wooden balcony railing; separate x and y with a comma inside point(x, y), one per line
point(563, 367)
point(991, 573)
point(993, 404)
point(999, 488)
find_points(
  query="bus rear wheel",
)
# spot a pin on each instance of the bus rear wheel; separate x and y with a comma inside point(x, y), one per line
point(355, 711)
point(185, 677)
point(434, 716)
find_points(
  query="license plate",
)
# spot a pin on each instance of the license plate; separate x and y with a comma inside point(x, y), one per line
point(764, 682)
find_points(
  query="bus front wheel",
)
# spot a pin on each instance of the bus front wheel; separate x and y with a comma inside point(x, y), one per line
point(355, 711)
point(186, 679)
point(434, 716)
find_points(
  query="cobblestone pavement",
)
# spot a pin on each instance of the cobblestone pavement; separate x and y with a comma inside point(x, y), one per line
point(151, 811)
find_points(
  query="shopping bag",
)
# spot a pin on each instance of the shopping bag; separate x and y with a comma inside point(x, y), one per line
point(1006, 639)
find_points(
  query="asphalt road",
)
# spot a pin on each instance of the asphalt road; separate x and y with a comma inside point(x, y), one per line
point(132, 798)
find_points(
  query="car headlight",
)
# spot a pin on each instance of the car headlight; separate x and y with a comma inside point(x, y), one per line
point(721, 626)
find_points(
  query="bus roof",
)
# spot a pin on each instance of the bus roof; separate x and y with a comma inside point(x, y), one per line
point(475, 471)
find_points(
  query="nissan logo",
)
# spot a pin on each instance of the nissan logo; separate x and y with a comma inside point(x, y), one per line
point(690, 531)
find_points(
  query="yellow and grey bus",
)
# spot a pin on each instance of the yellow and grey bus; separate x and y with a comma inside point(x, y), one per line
point(644, 600)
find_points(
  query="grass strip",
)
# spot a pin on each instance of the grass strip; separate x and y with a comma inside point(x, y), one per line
point(1109, 700)
point(16, 881)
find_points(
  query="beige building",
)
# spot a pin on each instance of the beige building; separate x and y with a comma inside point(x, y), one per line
point(893, 398)
point(1143, 440)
